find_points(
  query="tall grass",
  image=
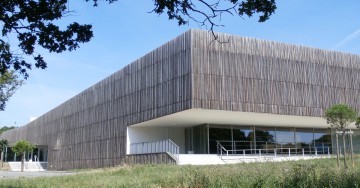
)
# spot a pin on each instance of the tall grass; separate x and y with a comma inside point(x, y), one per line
point(311, 173)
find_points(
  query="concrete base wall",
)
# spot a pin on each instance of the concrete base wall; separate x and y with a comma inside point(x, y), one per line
point(150, 158)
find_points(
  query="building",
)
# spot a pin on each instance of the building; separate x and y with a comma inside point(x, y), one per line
point(246, 94)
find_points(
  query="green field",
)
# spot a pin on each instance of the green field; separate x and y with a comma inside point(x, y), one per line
point(310, 173)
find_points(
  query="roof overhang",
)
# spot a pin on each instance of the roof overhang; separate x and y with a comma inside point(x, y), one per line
point(193, 117)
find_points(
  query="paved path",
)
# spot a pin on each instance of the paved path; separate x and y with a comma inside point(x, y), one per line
point(12, 174)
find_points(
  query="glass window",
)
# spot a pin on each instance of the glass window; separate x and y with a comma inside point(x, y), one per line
point(322, 136)
point(221, 134)
point(243, 139)
point(305, 140)
point(304, 136)
point(243, 133)
point(265, 134)
point(322, 140)
point(356, 140)
point(285, 135)
point(265, 138)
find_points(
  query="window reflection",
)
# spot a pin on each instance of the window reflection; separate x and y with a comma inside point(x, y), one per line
point(285, 135)
point(304, 140)
point(322, 140)
point(321, 135)
point(243, 138)
point(265, 138)
point(304, 136)
point(222, 134)
point(264, 134)
point(250, 139)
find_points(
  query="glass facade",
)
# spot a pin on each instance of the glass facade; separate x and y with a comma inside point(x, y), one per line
point(37, 154)
point(355, 137)
point(304, 138)
point(196, 139)
point(243, 139)
point(265, 138)
point(251, 139)
point(220, 134)
point(203, 139)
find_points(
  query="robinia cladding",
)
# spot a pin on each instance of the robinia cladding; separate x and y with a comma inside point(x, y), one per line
point(254, 75)
point(192, 71)
point(89, 130)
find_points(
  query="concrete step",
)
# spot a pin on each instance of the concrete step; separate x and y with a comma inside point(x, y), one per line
point(5, 166)
point(199, 159)
point(28, 166)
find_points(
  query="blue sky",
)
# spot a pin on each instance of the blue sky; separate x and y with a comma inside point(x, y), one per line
point(125, 31)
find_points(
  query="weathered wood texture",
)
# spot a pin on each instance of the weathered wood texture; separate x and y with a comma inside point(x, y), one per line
point(253, 75)
point(250, 75)
point(151, 158)
point(89, 130)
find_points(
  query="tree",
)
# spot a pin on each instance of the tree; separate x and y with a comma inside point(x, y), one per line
point(20, 148)
point(6, 128)
point(3, 142)
point(357, 122)
point(34, 23)
point(9, 83)
point(3, 145)
point(209, 13)
point(339, 117)
point(263, 136)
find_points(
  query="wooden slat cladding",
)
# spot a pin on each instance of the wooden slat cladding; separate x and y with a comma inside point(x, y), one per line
point(249, 75)
point(258, 47)
point(89, 130)
point(254, 75)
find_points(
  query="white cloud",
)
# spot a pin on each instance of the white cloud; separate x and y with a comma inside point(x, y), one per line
point(347, 39)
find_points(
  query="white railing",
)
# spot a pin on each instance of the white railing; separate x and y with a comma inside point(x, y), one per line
point(155, 147)
point(283, 152)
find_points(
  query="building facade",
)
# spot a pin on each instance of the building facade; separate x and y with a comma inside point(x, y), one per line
point(246, 93)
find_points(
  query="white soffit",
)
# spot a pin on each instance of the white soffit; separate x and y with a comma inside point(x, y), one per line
point(200, 116)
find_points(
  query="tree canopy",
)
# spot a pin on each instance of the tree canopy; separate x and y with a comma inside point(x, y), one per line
point(6, 128)
point(20, 147)
point(9, 83)
point(208, 13)
point(3, 143)
point(357, 122)
point(340, 116)
point(34, 23)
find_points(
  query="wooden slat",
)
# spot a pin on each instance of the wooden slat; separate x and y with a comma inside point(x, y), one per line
point(253, 75)
point(89, 130)
point(249, 75)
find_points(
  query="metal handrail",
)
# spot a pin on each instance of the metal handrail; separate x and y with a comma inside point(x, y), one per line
point(277, 144)
point(222, 150)
point(155, 147)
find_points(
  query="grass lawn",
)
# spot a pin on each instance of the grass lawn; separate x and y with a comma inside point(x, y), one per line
point(310, 173)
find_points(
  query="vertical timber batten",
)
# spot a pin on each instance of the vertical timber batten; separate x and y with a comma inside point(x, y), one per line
point(89, 130)
point(245, 74)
